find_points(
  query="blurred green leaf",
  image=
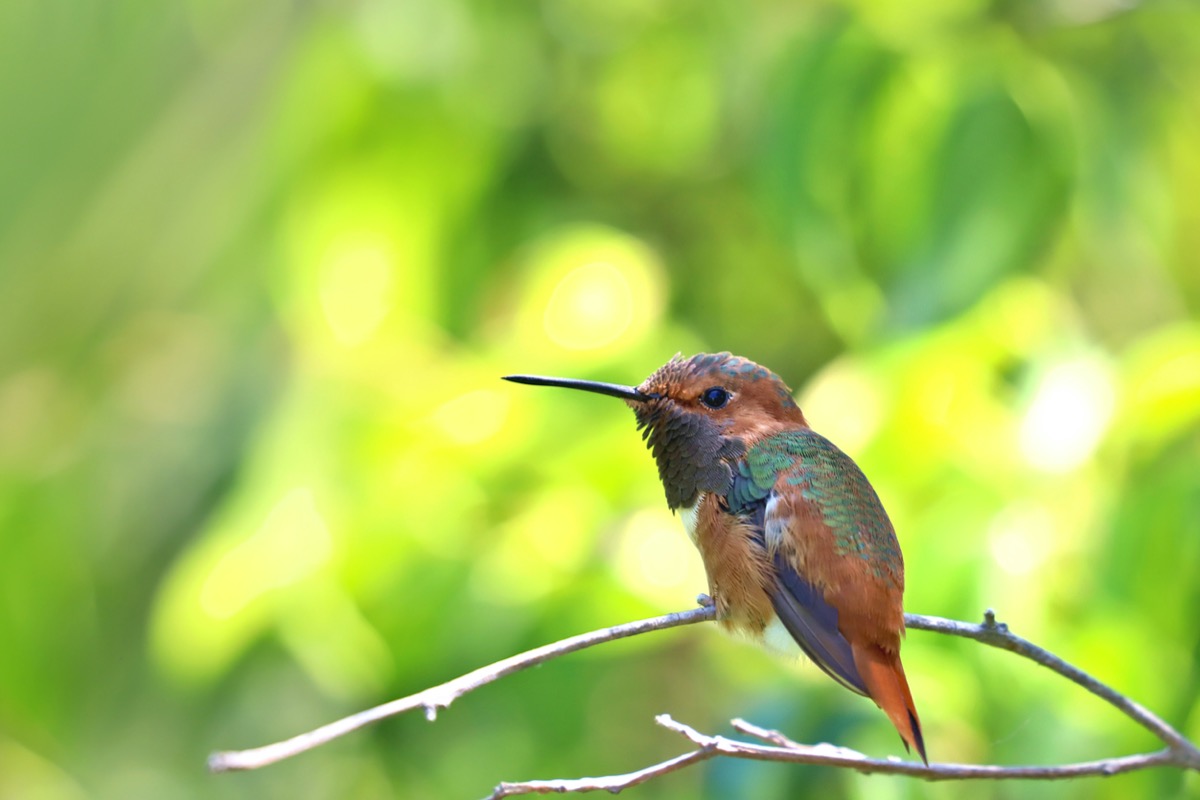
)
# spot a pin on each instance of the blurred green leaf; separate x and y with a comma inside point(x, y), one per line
point(262, 266)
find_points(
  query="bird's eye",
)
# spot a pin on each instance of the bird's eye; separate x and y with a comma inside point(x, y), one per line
point(714, 397)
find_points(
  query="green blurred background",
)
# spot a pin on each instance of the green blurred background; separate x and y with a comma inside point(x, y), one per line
point(261, 265)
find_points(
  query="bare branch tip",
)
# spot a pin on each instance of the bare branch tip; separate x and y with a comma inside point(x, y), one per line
point(766, 734)
point(990, 623)
point(668, 722)
point(687, 731)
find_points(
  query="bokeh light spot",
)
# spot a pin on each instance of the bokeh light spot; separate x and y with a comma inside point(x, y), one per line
point(473, 417)
point(355, 288)
point(419, 39)
point(1162, 383)
point(538, 550)
point(1070, 411)
point(655, 559)
point(845, 403)
point(292, 543)
point(590, 307)
point(1020, 538)
point(591, 290)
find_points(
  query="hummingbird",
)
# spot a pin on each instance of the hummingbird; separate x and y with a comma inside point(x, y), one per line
point(798, 549)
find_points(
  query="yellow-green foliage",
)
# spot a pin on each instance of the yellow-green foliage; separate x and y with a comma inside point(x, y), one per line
point(262, 265)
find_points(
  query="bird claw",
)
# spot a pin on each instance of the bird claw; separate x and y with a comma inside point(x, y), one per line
point(705, 600)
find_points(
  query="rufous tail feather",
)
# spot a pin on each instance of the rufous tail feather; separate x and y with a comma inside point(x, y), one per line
point(884, 677)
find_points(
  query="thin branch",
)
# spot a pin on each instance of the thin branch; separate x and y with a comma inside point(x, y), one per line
point(830, 756)
point(996, 634)
point(443, 695)
point(609, 783)
point(1180, 752)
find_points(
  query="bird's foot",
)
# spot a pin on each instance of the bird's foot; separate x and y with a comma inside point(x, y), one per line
point(705, 600)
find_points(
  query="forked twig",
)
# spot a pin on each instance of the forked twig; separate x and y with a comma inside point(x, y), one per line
point(1180, 752)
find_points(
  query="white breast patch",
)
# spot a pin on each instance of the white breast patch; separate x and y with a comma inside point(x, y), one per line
point(691, 515)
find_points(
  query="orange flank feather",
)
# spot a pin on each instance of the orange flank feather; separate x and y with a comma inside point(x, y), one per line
point(883, 674)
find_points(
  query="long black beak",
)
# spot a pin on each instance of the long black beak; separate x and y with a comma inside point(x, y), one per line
point(610, 389)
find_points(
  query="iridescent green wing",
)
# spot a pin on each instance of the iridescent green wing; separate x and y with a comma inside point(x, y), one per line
point(851, 511)
point(830, 480)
